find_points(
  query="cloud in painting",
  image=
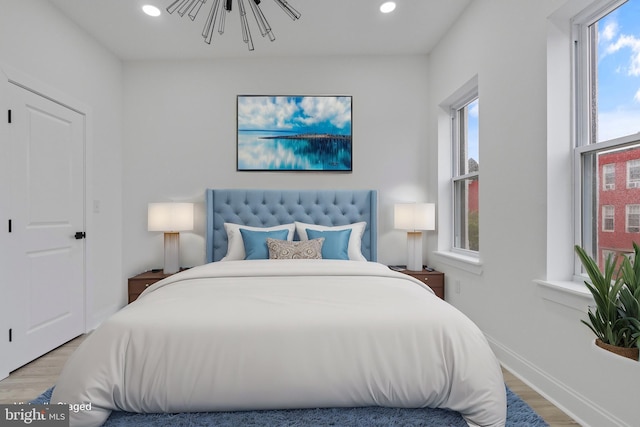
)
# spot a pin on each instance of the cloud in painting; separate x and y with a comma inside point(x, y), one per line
point(327, 114)
point(266, 112)
point(330, 109)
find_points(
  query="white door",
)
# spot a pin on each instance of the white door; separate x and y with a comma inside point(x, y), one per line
point(47, 143)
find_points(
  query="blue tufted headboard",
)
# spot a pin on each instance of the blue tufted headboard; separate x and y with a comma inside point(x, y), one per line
point(266, 208)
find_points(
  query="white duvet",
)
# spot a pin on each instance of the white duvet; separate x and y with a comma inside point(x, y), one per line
point(265, 334)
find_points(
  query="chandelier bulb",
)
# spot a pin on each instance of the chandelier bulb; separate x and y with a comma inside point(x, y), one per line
point(221, 7)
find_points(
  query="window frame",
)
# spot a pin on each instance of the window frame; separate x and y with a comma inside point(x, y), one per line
point(457, 177)
point(608, 212)
point(607, 174)
point(627, 217)
point(585, 145)
point(633, 183)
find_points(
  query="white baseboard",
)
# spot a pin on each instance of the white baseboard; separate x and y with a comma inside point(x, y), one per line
point(585, 412)
point(101, 316)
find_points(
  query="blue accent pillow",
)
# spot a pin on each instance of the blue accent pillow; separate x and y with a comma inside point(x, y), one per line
point(255, 242)
point(336, 243)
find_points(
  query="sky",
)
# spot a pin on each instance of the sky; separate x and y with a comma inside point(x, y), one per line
point(619, 72)
point(473, 131)
point(318, 114)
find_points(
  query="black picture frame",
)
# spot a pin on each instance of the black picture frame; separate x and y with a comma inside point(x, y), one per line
point(294, 133)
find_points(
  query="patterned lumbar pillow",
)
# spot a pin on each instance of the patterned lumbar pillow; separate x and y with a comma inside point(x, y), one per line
point(305, 249)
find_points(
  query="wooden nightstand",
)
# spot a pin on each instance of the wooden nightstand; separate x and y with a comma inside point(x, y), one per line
point(137, 284)
point(433, 279)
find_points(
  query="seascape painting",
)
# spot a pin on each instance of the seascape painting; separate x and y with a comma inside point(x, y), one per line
point(294, 133)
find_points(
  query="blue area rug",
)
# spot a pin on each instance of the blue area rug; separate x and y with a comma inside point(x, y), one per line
point(519, 414)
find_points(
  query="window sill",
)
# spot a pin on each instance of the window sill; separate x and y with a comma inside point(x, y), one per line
point(571, 294)
point(463, 262)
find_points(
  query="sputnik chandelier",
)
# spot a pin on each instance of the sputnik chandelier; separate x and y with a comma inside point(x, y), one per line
point(219, 11)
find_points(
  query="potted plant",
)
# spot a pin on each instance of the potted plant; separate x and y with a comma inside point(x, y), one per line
point(630, 293)
point(615, 328)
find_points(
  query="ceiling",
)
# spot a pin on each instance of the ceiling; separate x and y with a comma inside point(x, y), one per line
point(327, 27)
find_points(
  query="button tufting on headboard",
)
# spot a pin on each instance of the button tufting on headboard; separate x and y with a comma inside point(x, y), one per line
point(273, 207)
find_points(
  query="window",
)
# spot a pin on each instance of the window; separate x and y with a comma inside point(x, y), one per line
point(609, 177)
point(608, 218)
point(633, 172)
point(631, 256)
point(466, 174)
point(606, 254)
point(633, 219)
point(607, 138)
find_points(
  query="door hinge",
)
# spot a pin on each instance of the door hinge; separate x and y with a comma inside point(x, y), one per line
point(80, 235)
point(9, 226)
point(9, 116)
point(10, 334)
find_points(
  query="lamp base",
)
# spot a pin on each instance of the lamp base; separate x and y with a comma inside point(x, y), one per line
point(171, 252)
point(414, 250)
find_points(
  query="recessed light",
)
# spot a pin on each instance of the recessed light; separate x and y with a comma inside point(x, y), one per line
point(387, 7)
point(151, 10)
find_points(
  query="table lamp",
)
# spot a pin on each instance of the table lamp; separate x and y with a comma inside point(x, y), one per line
point(414, 217)
point(171, 218)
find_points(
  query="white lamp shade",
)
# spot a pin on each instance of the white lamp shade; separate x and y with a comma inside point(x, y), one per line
point(415, 216)
point(170, 216)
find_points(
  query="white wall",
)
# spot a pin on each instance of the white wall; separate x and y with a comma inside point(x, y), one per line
point(180, 138)
point(504, 43)
point(41, 44)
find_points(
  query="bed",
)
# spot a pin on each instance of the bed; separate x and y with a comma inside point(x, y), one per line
point(323, 325)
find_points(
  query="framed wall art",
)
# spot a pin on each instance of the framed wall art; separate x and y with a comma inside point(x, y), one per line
point(294, 133)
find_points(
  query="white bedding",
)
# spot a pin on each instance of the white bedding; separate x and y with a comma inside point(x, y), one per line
point(308, 333)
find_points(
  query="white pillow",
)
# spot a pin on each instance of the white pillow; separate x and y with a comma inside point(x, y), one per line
point(235, 245)
point(355, 239)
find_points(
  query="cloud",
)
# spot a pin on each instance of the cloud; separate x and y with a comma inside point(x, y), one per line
point(609, 31)
point(631, 42)
point(474, 108)
point(618, 123)
point(637, 96)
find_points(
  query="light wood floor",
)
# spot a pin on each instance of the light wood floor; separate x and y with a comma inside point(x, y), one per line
point(552, 415)
point(28, 382)
point(31, 380)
